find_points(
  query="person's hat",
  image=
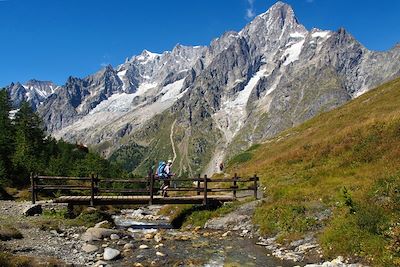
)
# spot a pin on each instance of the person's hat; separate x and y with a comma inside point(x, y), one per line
point(170, 161)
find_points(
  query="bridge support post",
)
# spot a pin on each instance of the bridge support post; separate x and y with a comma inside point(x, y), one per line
point(205, 200)
point(92, 190)
point(234, 185)
point(198, 184)
point(151, 188)
point(33, 188)
point(96, 185)
point(70, 210)
point(255, 185)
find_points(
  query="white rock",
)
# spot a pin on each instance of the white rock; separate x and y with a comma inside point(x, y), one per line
point(143, 246)
point(114, 236)
point(110, 253)
point(100, 263)
point(160, 254)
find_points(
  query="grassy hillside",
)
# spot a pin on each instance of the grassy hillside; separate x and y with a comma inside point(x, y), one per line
point(338, 175)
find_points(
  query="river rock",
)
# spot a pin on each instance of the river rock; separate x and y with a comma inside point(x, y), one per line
point(149, 236)
point(226, 234)
point(89, 248)
point(160, 254)
point(137, 264)
point(128, 246)
point(110, 253)
point(159, 245)
point(92, 233)
point(100, 263)
point(114, 237)
point(143, 246)
point(158, 237)
point(32, 210)
point(121, 243)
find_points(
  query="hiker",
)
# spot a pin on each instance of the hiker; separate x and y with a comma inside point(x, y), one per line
point(221, 166)
point(164, 172)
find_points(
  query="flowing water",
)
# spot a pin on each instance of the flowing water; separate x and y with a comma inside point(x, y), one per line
point(188, 248)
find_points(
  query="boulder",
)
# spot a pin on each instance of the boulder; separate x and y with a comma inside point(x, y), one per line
point(110, 254)
point(92, 233)
point(32, 210)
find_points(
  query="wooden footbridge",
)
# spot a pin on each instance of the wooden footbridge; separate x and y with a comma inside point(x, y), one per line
point(95, 191)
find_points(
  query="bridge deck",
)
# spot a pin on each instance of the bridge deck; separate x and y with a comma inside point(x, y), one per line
point(126, 200)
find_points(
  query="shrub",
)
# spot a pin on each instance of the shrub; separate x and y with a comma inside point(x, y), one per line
point(8, 232)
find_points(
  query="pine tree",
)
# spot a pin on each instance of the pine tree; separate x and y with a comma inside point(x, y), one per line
point(29, 153)
point(6, 136)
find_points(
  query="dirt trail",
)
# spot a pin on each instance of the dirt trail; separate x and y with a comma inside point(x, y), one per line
point(171, 137)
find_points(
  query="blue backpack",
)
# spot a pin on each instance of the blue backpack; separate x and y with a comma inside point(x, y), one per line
point(161, 169)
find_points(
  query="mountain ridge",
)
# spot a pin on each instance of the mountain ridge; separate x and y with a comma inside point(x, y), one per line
point(244, 87)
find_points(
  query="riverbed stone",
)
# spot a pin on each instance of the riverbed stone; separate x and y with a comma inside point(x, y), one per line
point(149, 236)
point(110, 253)
point(100, 263)
point(226, 234)
point(114, 237)
point(143, 246)
point(159, 245)
point(158, 237)
point(89, 248)
point(160, 254)
point(92, 233)
point(128, 246)
point(121, 243)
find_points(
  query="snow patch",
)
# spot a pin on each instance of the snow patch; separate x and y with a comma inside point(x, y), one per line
point(232, 115)
point(321, 34)
point(297, 35)
point(121, 76)
point(293, 52)
point(172, 91)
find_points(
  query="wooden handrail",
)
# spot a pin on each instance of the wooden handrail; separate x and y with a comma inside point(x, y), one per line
point(151, 189)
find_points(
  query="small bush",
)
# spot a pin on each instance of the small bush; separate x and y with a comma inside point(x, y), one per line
point(8, 232)
point(90, 217)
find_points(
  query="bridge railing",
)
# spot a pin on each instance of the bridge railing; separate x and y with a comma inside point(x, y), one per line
point(97, 186)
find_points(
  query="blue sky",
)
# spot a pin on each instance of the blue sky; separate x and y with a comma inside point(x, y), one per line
point(53, 39)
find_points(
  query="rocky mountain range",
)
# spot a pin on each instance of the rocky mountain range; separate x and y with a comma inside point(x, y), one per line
point(201, 105)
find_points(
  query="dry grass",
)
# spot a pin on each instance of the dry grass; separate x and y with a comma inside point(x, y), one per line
point(8, 232)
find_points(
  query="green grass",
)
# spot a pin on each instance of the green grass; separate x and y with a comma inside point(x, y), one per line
point(56, 220)
point(347, 162)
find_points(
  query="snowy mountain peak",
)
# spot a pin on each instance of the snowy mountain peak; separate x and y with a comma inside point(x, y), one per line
point(147, 56)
